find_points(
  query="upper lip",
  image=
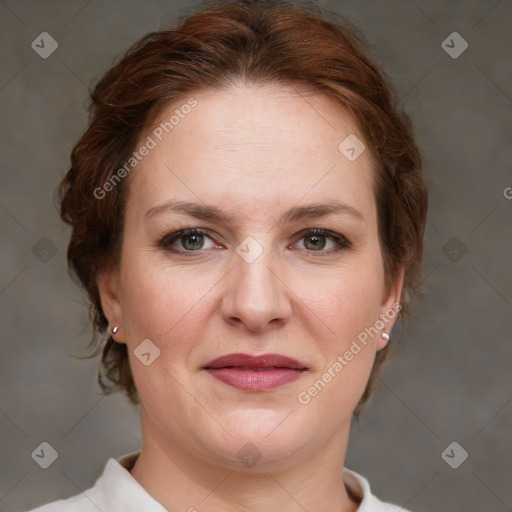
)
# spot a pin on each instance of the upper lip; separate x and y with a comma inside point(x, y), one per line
point(249, 361)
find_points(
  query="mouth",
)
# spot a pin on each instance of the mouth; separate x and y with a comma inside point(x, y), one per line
point(255, 373)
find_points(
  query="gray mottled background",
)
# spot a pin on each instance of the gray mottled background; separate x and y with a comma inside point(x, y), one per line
point(450, 381)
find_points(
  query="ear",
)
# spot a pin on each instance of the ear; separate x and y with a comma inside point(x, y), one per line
point(390, 306)
point(108, 286)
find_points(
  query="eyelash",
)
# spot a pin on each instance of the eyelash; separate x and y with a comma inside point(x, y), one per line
point(340, 241)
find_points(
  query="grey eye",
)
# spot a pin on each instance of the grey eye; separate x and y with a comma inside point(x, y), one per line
point(192, 241)
point(314, 242)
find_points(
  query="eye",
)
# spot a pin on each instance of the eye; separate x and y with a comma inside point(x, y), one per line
point(320, 240)
point(187, 240)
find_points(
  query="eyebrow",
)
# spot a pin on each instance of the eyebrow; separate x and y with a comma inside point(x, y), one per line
point(294, 214)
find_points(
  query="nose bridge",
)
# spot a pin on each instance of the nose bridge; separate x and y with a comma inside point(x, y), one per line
point(256, 278)
point(256, 297)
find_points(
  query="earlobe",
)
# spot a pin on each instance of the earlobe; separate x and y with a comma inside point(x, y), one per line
point(108, 287)
point(390, 308)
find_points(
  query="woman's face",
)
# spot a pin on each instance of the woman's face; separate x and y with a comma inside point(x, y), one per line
point(281, 257)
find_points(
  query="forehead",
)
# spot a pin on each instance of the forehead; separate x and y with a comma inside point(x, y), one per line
point(251, 145)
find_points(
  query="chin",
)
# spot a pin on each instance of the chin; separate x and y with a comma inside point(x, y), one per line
point(261, 439)
point(257, 454)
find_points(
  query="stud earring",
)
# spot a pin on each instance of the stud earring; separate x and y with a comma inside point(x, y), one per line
point(385, 336)
point(115, 329)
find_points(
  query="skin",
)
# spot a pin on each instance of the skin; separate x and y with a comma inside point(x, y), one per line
point(253, 152)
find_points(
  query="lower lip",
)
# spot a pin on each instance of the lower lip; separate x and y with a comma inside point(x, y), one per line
point(252, 380)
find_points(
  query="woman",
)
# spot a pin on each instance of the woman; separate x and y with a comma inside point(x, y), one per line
point(247, 212)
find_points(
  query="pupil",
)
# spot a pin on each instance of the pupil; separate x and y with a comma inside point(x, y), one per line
point(191, 242)
point(316, 242)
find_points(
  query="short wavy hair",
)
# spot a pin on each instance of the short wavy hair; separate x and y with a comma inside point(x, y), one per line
point(223, 44)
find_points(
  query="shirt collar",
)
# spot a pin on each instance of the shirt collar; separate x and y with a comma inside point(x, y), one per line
point(120, 491)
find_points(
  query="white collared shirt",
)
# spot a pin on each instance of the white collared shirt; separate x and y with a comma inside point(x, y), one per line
point(117, 491)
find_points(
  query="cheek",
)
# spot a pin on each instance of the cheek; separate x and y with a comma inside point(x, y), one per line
point(159, 300)
point(346, 300)
point(170, 307)
point(348, 303)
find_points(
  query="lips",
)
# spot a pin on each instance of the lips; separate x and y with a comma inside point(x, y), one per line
point(255, 373)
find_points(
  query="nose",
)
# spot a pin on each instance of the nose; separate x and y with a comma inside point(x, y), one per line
point(256, 297)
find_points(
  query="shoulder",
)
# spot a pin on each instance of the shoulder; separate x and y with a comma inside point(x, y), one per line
point(90, 500)
point(116, 487)
point(359, 487)
point(109, 487)
point(78, 503)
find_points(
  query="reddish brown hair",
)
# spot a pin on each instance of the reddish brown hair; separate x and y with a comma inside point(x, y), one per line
point(228, 43)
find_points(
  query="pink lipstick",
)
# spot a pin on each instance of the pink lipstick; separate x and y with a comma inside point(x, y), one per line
point(255, 373)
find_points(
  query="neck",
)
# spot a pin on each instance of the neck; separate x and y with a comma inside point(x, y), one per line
point(180, 480)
